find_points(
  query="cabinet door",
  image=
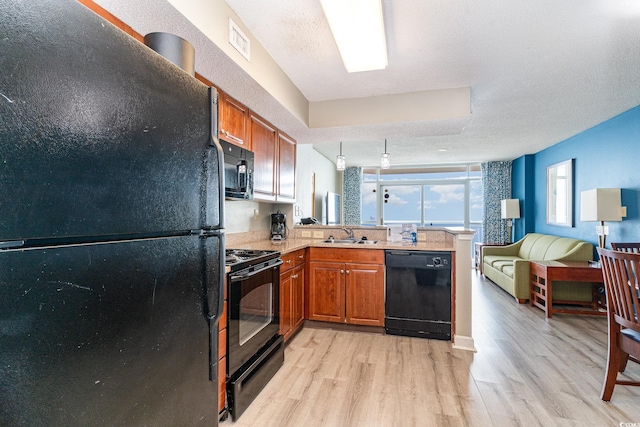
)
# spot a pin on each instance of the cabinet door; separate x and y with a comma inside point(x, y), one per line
point(326, 291)
point(365, 294)
point(286, 302)
point(286, 168)
point(297, 308)
point(263, 143)
point(234, 121)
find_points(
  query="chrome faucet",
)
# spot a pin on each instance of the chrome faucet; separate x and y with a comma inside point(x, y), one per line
point(349, 232)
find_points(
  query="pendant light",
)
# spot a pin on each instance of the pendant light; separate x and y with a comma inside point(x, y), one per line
point(341, 161)
point(385, 158)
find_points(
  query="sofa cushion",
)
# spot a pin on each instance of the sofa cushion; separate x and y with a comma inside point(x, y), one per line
point(540, 247)
point(560, 247)
point(491, 259)
point(499, 265)
point(527, 243)
point(507, 270)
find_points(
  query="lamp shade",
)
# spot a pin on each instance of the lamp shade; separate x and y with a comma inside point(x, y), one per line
point(510, 208)
point(601, 204)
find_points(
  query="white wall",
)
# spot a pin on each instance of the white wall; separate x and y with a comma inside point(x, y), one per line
point(240, 215)
point(311, 163)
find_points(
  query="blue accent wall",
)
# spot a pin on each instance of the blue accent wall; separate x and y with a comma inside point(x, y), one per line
point(524, 190)
point(605, 156)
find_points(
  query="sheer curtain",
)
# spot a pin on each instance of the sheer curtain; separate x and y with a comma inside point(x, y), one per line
point(496, 183)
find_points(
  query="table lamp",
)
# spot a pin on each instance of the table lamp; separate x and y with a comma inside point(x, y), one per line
point(510, 210)
point(601, 204)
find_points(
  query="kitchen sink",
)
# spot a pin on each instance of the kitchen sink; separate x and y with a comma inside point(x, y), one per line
point(350, 241)
point(341, 241)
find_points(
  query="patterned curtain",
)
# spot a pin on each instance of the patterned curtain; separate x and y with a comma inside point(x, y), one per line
point(496, 183)
point(351, 192)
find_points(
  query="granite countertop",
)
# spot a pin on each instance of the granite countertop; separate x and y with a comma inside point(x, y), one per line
point(290, 245)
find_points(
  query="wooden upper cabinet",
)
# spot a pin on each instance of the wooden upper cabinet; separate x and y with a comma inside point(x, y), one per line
point(286, 179)
point(264, 138)
point(233, 123)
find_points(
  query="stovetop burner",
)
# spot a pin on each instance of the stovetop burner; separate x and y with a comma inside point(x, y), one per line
point(241, 258)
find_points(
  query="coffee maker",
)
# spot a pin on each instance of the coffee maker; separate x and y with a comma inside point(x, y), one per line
point(278, 226)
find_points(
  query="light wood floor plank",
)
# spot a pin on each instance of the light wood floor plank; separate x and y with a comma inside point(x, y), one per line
point(529, 371)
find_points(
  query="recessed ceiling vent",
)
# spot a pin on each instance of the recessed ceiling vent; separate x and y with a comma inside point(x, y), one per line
point(174, 48)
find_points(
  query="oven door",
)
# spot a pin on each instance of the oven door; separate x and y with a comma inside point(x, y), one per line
point(254, 319)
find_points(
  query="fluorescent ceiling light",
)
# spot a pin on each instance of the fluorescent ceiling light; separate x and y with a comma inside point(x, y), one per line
point(358, 29)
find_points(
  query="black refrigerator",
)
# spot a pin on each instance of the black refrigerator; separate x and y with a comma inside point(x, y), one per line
point(111, 227)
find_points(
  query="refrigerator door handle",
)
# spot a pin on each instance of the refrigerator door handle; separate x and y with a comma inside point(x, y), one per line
point(221, 278)
point(213, 101)
point(214, 284)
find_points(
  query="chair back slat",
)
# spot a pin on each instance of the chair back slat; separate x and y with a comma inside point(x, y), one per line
point(622, 285)
point(626, 247)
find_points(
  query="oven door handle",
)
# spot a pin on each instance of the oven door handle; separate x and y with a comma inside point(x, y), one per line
point(242, 276)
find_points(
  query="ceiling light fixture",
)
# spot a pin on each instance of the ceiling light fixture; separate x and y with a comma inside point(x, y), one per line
point(341, 161)
point(358, 29)
point(385, 158)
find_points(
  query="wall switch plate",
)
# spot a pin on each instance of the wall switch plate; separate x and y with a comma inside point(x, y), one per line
point(623, 211)
point(306, 234)
point(318, 234)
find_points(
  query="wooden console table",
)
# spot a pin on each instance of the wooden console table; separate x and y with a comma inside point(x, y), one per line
point(544, 273)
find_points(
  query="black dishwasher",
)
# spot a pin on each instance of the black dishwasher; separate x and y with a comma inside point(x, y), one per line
point(418, 294)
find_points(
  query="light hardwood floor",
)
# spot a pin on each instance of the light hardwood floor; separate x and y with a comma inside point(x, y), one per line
point(528, 371)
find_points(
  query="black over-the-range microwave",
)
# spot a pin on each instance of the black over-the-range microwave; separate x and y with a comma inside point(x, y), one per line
point(238, 172)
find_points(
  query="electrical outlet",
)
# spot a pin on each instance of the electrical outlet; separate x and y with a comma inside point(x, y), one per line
point(318, 234)
point(306, 234)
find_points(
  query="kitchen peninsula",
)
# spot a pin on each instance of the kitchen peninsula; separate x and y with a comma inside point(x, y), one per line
point(455, 240)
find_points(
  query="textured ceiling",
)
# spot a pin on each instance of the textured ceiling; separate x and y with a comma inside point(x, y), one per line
point(539, 71)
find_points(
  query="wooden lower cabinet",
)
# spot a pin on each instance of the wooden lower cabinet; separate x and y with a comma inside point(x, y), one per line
point(364, 294)
point(346, 292)
point(292, 279)
point(326, 291)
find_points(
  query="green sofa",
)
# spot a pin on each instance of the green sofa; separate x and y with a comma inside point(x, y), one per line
point(508, 266)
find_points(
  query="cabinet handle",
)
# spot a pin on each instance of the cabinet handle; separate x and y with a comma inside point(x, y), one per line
point(295, 276)
point(348, 272)
point(288, 261)
point(235, 138)
point(341, 271)
point(300, 256)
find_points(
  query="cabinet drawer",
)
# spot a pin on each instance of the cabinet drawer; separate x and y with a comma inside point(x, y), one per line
point(363, 256)
point(292, 259)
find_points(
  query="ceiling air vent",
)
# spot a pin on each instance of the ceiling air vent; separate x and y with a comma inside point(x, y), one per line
point(239, 40)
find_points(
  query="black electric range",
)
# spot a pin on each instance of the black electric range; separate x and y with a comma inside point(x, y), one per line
point(255, 348)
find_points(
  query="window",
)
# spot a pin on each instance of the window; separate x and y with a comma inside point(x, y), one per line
point(445, 196)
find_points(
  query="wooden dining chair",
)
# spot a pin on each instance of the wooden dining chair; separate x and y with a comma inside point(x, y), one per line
point(626, 247)
point(621, 272)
